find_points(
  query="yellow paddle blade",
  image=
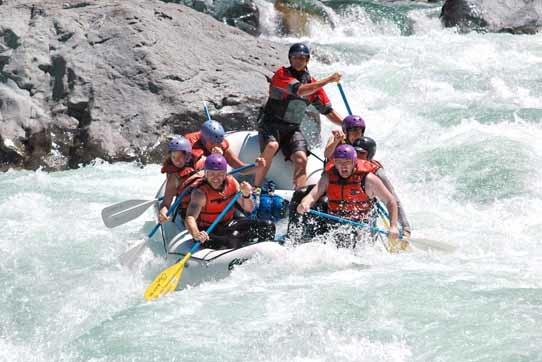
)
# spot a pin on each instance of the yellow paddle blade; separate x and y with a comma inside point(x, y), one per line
point(167, 280)
point(399, 245)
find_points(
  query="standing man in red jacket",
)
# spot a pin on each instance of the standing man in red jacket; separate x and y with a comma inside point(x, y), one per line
point(291, 91)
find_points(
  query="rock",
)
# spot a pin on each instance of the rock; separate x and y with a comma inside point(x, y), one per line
point(510, 16)
point(242, 14)
point(296, 17)
point(111, 80)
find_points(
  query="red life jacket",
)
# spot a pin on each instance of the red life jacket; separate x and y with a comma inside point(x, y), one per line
point(285, 105)
point(347, 197)
point(182, 173)
point(216, 202)
point(199, 150)
point(376, 164)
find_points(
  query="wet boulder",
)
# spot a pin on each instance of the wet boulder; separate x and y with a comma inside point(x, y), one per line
point(498, 16)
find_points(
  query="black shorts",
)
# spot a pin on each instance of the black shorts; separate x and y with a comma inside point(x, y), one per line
point(289, 137)
point(240, 232)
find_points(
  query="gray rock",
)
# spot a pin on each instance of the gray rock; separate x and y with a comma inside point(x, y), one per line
point(510, 16)
point(112, 79)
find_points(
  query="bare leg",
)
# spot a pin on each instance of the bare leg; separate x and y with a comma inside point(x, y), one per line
point(299, 159)
point(268, 152)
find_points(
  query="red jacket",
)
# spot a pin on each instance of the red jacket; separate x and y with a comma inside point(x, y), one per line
point(285, 105)
point(199, 150)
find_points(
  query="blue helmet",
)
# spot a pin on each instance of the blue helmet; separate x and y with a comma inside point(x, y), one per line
point(299, 49)
point(179, 143)
point(215, 162)
point(212, 132)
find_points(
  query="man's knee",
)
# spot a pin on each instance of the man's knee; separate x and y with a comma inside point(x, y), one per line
point(300, 158)
point(272, 146)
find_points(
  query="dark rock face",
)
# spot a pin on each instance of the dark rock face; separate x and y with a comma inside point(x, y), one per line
point(243, 14)
point(510, 16)
point(112, 79)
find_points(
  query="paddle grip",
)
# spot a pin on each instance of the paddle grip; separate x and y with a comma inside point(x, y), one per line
point(344, 98)
point(206, 111)
point(242, 168)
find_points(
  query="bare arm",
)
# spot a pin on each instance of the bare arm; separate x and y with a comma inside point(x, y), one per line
point(170, 191)
point(316, 193)
point(333, 142)
point(330, 147)
point(402, 218)
point(309, 88)
point(375, 188)
point(245, 201)
point(235, 162)
point(232, 159)
point(334, 117)
point(197, 201)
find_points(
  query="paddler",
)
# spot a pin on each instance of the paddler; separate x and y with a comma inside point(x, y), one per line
point(178, 167)
point(353, 127)
point(292, 89)
point(210, 139)
point(351, 192)
point(210, 197)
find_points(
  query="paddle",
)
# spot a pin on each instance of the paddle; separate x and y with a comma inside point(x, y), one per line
point(129, 210)
point(168, 279)
point(423, 244)
point(122, 212)
point(207, 111)
point(344, 98)
point(129, 256)
point(420, 243)
point(383, 215)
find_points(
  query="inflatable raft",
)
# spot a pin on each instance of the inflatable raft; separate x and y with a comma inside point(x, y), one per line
point(209, 264)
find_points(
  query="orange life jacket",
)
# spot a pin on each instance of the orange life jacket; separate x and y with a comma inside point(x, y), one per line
point(216, 202)
point(199, 150)
point(376, 164)
point(346, 196)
